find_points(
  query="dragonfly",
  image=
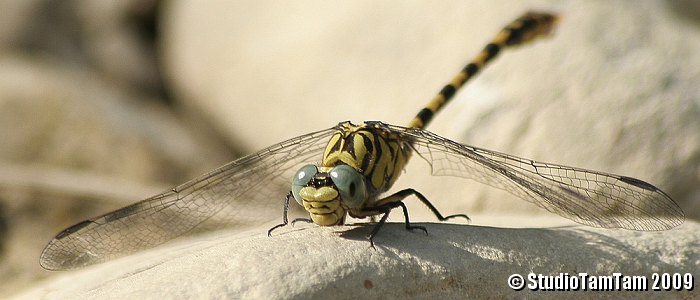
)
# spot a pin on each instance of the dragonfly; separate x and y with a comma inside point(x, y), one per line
point(359, 164)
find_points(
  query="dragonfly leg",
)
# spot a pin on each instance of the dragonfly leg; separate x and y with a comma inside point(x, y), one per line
point(400, 195)
point(285, 221)
point(385, 206)
point(432, 207)
point(395, 200)
point(302, 220)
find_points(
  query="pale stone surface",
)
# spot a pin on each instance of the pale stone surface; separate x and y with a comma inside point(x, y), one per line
point(74, 145)
point(451, 262)
point(83, 128)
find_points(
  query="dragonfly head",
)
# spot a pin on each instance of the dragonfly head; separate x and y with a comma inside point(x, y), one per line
point(328, 192)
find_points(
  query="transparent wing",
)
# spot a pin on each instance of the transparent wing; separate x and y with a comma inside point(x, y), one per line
point(587, 197)
point(244, 193)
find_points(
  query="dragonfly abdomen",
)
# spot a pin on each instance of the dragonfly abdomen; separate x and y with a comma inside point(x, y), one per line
point(523, 30)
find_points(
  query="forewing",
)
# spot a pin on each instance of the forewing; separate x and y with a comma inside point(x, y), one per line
point(244, 193)
point(587, 197)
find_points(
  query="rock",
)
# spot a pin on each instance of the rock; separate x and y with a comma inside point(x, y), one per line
point(75, 146)
point(451, 262)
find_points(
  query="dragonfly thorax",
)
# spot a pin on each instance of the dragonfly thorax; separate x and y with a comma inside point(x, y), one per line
point(379, 155)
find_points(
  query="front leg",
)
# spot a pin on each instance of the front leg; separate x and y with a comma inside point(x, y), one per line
point(284, 215)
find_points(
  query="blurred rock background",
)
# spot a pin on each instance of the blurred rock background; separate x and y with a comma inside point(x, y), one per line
point(103, 103)
point(87, 122)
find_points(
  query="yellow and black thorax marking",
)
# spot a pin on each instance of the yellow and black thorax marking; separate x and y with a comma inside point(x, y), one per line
point(379, 155)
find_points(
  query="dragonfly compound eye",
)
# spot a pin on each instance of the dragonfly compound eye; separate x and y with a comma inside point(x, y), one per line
point(301, 179)
point(350, 184)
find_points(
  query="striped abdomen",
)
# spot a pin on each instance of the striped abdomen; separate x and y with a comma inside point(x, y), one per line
point(524, 29)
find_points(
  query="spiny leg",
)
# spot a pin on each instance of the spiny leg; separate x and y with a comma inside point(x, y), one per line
point(524, 29)
point(386, 209)
point(395, 200)
point(305, 220)
point(407, 192)
point(284, 215)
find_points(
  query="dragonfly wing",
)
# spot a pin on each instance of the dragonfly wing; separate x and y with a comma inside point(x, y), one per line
point(244, 193)
point(587, 197)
